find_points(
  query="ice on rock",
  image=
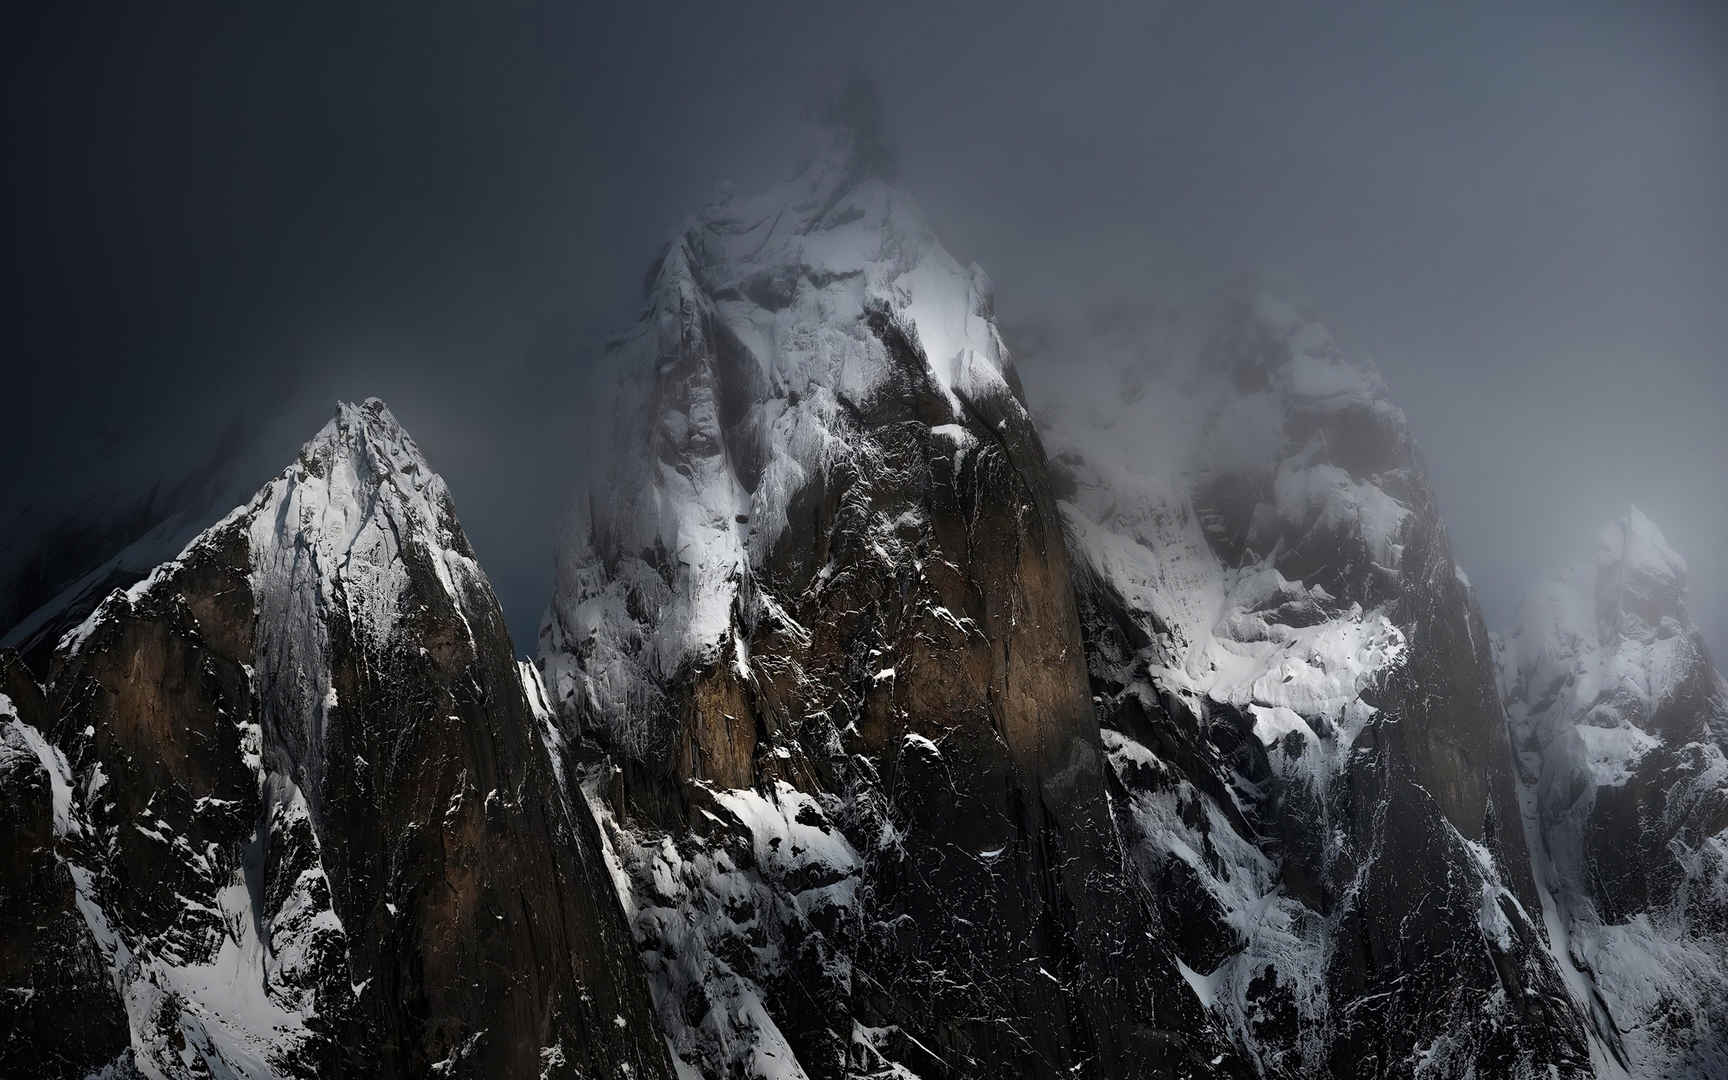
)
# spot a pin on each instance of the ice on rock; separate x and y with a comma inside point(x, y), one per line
point(1325, 498)
point(771, 867)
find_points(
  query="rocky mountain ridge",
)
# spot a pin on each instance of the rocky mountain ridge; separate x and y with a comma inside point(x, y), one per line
point(890, 719)
point(300, 819)
point(1298, 695)
point(822, 622)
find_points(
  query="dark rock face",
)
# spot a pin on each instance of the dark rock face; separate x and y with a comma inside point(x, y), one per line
point(59, 1014)
point(1300, 703)
point(1435, 767)
point(1621, 722)
point(825, 624)
point(315, 828)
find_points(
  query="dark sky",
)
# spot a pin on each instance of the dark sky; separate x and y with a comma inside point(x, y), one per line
point(252, 210)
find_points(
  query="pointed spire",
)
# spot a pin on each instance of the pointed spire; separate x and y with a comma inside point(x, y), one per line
point(1640, 579)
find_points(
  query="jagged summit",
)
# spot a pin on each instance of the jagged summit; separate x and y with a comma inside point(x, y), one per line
point(306, 822)
point(1633, 539)
point(355, 426)
point(1266, 342)
point(361, 455)
point(1607, 635)
point(822, 601)
point(357, 500)
point(1640, 579)
point(359, 504)
point(774, 321)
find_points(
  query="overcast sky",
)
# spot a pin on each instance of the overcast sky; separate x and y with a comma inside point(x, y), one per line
point(227, 209)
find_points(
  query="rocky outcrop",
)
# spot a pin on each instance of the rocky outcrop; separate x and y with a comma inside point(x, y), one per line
point(823, 621)
point(309, 816)
point(1621, 722)
point(1300, 704)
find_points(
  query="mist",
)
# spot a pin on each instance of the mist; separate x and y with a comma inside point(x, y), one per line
point(1518, 210)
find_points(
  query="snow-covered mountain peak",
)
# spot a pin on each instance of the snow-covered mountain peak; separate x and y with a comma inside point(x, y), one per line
point(830, 243)
point(1634, 540)
point(1623, 605)
point(362, 477)
point(1275, 624)
point(845, 154)
point(370, 431)
point(828, 570)
point(1271, 338)
point(335, 528)
point(314, 713)
point(775, 323)
point(1606, 643)
point(1640, 579)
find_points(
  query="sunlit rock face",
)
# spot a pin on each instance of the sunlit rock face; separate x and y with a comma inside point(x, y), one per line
point(1310, 760)
point(1620, 721)
point(287, 811)
point(822, 620)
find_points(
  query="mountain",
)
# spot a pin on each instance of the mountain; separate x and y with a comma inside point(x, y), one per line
point(1298, 698)
point(822, 623)
point(892, 717)
point(1621, 722)
point(284, 808)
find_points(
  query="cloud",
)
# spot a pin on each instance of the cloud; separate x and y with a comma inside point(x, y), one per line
point(1518, 211)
